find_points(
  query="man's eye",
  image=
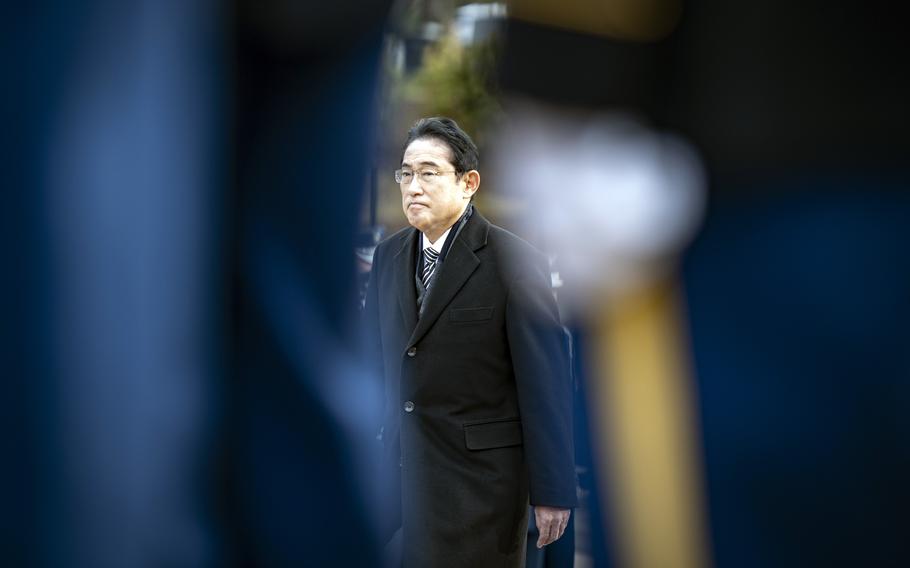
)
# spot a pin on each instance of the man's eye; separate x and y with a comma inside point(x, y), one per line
point(406, 175)
point(428, 174)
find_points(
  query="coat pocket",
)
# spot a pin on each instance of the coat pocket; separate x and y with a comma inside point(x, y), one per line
point(489, 434)
point(470, 315)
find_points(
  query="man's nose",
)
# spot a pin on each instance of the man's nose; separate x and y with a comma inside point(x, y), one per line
point(414, 187)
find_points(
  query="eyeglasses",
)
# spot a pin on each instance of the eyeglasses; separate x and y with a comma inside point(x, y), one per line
point(425, 177)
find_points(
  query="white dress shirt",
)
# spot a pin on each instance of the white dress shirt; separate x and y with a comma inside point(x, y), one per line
point(437, 246)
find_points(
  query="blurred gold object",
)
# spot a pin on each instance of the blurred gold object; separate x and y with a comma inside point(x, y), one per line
point(632, 20)
point(643, 410)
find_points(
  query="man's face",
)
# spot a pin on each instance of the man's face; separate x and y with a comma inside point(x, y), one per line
point(433, 196)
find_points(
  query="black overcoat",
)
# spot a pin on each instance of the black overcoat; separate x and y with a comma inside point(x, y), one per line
point(477, 416)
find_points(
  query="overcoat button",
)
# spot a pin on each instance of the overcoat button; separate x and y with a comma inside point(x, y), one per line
point(412, 351)
point(408, 406)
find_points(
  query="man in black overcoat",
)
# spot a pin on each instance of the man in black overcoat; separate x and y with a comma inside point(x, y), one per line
point(464, 330)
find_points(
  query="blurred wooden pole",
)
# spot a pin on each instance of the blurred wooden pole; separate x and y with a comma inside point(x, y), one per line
point(633, 20)
point(644, 419)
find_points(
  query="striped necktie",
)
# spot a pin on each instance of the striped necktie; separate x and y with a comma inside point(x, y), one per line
point(429, 265)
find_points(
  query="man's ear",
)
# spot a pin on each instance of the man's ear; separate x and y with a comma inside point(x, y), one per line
point(471, 183)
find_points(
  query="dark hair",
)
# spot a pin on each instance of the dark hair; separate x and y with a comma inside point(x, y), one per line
point(464, 152)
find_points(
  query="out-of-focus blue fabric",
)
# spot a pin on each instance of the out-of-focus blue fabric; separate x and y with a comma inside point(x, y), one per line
point(301, 413)
point(179, 387)
point(111, 293)
point(799, 308)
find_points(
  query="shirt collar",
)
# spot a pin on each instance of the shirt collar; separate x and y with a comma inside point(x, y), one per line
point(437, 246)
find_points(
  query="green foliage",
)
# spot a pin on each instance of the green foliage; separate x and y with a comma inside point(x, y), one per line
point(454, 81)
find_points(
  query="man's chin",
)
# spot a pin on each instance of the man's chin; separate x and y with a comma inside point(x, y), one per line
point(418, 222)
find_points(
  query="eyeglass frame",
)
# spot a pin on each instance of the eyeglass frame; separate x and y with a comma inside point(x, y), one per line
point(399, 173)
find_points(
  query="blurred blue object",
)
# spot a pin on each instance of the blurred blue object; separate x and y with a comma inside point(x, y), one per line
point(178, 387)
point(111, 318)
point(301, 412)
point(799, 309)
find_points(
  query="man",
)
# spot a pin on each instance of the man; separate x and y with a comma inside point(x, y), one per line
point(466, 334)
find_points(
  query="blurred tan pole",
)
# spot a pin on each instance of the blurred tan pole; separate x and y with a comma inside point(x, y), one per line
point(634, 20)
point(643, 412)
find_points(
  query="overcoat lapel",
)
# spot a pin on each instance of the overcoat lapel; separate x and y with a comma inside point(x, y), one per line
point(459, 264)
point(404, 269)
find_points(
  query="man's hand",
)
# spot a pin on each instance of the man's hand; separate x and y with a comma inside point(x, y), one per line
point(551, 523)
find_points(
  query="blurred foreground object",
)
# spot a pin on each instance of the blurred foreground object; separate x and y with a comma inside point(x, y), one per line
point(795, 294)
point(301, 411)
point(798, 306)
point(110, 288)
point(638, 20)
point(617, 203)
point(181, 390)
